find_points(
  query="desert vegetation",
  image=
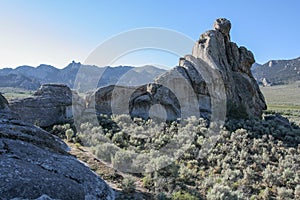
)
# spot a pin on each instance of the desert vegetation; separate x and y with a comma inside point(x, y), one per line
point(248, 159)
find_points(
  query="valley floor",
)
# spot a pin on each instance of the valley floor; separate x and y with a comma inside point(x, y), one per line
point(284, 99)
point(283, 96)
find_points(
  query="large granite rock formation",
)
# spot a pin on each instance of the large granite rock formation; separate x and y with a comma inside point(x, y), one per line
point(218, 71)
point(234, 65)
point(35, 164)
point(51, 104)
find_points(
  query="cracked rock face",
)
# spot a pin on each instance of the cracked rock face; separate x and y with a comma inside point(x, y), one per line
point(177, 89)
point(35, 165)
point(50, 105)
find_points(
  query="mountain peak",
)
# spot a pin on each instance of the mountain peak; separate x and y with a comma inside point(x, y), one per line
point(44, 66)
point(24, 67)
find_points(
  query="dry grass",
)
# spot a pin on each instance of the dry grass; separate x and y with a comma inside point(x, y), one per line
point(284, 99)
point(283, 96)
point(15, 93)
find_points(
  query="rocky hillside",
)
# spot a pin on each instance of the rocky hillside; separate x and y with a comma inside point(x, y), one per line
point(277, 72)
point(19, 81)
point(36, 164)
point(32, 78)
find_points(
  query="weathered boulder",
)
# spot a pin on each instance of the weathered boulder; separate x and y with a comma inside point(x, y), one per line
point(51, 104)
point(35, 164)
point(216, 77)
point(154, 100)
point(135, 101)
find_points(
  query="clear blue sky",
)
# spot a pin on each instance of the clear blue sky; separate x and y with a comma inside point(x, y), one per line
point(58, 31)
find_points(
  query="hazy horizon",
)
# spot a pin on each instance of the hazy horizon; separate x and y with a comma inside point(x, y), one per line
point(117, 65)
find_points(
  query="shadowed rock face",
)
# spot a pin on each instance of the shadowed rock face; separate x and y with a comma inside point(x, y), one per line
point(35, 163)
point(3, 103)
point(51, 104)
point(216, 65)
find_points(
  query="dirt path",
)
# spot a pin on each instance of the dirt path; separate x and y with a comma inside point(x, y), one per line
point(111, 176)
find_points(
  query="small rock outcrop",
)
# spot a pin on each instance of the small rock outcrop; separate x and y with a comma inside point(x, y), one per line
point(51, 104)
point(190, 87)
point(265, 82)
point(35, 165)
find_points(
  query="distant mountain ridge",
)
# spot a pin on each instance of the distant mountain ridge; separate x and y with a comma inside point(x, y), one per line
point(274, 72)
point(277, 72)
point(31, 78)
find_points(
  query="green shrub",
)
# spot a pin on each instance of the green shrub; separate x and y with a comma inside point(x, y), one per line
point(106, 151)
point(148, 182)
point(161, 196)
point(128, 185)
point(69, 134)
point(181, 195)
point(60, 130)
point(297, 192)
point(284, 194)
point(120, 139)
point(265, 194)
point(123, 161)
point(223, 192)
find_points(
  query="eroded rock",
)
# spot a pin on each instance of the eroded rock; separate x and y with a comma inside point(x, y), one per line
point(51, 104)
point(35, 165)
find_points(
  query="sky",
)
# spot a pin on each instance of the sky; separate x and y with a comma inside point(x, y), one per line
point(56, 32)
